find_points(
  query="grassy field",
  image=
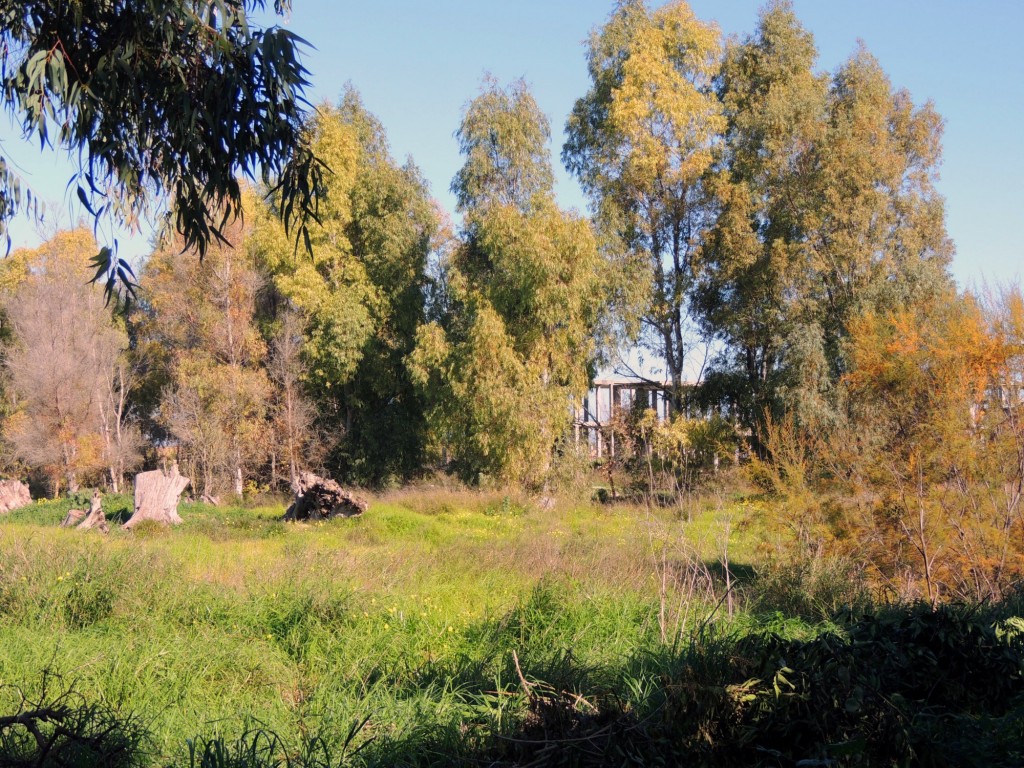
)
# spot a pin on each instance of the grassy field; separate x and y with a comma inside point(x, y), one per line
point(439, 627)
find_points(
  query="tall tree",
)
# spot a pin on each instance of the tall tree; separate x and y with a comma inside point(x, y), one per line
point(827, 209)
point(296, 439)
point(361, 296)
point(878, 238)
point(162, 101)
point(754, 282)
point(203, 314)
point(641, 143)
point(502, 367)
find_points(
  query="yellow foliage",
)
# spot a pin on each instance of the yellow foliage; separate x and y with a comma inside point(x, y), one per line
point(664, 109)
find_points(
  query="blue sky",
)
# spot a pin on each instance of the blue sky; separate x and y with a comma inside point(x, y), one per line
point(417, 62)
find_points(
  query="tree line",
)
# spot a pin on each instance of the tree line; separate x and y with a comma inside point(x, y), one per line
point(742, 201)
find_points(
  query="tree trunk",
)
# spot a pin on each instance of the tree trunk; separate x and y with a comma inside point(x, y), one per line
point(95, 519)
point(13, 494)
point(73, 518)
point(320, 499)
point(156, 496)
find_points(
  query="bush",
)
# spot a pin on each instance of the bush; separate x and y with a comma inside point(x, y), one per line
point(906, 686)
point(813, 588)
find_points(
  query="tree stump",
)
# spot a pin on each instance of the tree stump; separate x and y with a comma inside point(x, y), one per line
point(156, 496)
point(320, 499)
point(95, 519)
point(13, 494)
point(73, 518)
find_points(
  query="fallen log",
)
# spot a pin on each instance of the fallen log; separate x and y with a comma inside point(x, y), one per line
point(13, 494)
point(317, 498)
point(156, 496)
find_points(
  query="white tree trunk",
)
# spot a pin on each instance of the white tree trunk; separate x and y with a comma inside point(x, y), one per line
point(13, 494)
point(156, 496)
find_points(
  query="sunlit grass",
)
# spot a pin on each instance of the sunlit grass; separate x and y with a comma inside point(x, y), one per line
point(408, 614)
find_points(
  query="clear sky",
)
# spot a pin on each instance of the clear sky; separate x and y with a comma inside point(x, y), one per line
point(417, 62)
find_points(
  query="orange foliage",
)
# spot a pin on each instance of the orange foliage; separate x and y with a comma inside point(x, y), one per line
point(935, 400)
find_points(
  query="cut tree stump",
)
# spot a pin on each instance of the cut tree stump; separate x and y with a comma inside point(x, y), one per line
point(156, 496)
point(95, 519)
point(319, 499)
point(13, 494)
point(73, 518)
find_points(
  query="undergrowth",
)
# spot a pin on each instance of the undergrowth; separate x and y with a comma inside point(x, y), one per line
point(481, 630)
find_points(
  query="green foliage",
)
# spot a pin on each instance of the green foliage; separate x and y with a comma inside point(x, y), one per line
point(504, 138)
point(500, 369)
point(826, 208)
point(260, 748)
point(171, 101)
point(361, 297)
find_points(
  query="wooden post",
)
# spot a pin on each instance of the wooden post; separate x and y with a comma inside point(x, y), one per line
point(611, 418)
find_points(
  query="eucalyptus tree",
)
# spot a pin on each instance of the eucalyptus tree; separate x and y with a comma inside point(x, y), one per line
point(878, 237)
point(162, 101)
point(756, 292)
point(826, 208)
point(641, 142)
point(361, 296)
point(501, 368)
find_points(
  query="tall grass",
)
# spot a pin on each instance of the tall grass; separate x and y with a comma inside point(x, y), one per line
point(439, 628)
point(408, 615)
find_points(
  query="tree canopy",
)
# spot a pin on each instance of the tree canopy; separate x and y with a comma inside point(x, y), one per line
point(500, 368)
point(641, 142)
point(826, 208)
point(165, 104)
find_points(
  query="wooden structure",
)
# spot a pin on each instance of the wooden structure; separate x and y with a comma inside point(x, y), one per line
point(611, 397)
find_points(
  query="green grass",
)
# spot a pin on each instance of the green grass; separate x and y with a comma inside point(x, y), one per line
point(406, 615)
point(403, 637)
